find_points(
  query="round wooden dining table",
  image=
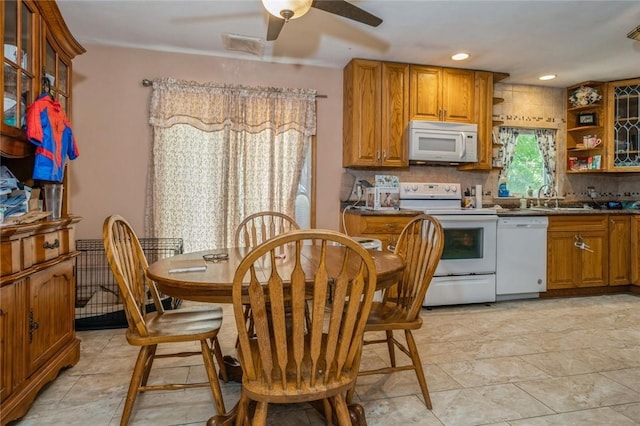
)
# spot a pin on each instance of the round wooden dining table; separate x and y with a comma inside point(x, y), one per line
point(190, 277)
point(212, 281)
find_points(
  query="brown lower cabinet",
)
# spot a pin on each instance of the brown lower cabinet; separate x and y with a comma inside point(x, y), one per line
point(384, 227)
point(619, 249)
point(635, 250)
point(577, 247)
point(37, 311)
point(593, 251)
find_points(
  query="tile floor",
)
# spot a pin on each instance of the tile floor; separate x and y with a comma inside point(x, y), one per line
point(573, 361)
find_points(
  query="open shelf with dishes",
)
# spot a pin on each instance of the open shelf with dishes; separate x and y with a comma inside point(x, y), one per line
point(586, 135)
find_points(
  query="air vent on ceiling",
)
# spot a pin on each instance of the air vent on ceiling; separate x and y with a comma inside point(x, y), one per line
point(635, 33)
point(240, 43)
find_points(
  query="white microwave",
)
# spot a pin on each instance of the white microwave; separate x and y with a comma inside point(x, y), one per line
point(442, 142)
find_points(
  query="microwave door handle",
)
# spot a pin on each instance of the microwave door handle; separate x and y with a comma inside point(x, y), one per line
point(463, 147)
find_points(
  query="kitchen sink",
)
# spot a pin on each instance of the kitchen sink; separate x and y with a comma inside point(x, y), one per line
point(561, 209)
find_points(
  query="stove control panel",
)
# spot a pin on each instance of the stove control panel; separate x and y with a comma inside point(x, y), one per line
point(422, 190)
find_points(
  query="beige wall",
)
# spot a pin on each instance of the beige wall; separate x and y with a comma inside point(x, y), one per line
point(110, 121)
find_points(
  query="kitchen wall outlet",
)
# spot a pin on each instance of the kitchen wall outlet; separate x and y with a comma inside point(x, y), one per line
point(356, 192)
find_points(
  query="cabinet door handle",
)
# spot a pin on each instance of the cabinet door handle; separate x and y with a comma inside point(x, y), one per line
point(444, 114)
point(384, 155)
point(32, 326)
point(48, 245)
point(378, 155)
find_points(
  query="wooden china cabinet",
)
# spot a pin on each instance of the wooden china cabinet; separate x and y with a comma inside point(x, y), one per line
point(37, 283)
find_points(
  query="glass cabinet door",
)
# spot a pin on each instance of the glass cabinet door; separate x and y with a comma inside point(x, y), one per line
point(18, 63)
point(56, 71)
point(626, 123)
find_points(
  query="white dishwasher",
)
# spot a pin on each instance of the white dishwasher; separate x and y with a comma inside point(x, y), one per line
point(521, 261)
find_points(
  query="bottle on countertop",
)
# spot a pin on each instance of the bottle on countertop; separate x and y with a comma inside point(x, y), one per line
point(503, 191)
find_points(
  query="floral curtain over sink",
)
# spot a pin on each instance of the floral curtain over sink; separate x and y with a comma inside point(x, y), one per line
point(221, 153)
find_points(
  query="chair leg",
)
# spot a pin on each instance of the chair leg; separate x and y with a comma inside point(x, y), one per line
point(136, 380)
point(242, 409)
point(417, 364)
point(148, 363)
point(215, 344)
point(352, 390)
point(391, 347)
point(341, 409)
point(210, 368)
point(328, 412)
point(260, 415)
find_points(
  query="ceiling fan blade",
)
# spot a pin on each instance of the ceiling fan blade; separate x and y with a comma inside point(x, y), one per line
point(275, 25)
point(346, 9)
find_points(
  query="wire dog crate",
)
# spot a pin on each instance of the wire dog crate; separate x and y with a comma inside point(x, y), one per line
point(98, 303)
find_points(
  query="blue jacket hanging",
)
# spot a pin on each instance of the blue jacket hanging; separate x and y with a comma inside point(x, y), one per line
point(49, 129)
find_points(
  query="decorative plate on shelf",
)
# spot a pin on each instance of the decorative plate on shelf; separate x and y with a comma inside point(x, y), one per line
point(584, 95)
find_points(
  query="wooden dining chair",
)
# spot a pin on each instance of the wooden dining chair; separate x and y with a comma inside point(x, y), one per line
point(420, 244)
point(285, 359)
point(259, 227)
point(148, 330)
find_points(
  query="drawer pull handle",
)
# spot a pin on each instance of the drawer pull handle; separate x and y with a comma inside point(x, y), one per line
point(392, 225)
point(48, 245)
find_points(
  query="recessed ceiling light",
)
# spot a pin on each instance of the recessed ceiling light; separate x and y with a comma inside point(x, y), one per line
point(460, 56)
point(548, 77)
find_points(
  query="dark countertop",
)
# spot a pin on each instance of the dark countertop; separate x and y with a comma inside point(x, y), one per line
point(504, 212)
point(368, 212)
point(563, 212)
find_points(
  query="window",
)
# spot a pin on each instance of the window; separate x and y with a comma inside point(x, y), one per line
point(528, 158)
point(249, 150)
point(527, 168)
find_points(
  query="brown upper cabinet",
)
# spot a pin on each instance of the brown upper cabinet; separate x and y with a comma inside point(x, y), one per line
point(603, 127)
point(442, 94)
point(622, 133)
point(376, 114)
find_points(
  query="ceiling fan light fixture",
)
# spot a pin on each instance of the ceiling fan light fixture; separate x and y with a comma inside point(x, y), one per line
point(287, 9)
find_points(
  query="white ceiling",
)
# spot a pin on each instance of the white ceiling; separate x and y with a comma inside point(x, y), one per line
point(577, 40)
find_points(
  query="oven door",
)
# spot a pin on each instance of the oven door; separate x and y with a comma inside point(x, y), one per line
point(469, 244)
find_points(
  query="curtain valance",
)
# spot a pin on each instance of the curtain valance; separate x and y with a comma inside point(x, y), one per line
point(213, 107)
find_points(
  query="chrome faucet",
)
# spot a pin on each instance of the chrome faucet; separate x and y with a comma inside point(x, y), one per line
point(551, 193)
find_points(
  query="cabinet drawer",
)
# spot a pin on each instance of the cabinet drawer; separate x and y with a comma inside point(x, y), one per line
point(383, 225)
point(10, 253)
point(46, 246)
point(578, 223)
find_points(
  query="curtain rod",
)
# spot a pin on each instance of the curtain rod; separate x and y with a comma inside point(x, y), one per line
point(146, 83)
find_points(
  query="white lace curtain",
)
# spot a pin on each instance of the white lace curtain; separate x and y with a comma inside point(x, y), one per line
point(220, 153)
point(508, 137)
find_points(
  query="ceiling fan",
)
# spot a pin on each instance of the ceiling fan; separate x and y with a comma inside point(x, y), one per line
point(281, 11)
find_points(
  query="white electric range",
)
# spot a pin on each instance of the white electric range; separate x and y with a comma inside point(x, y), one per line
point(466, 272)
